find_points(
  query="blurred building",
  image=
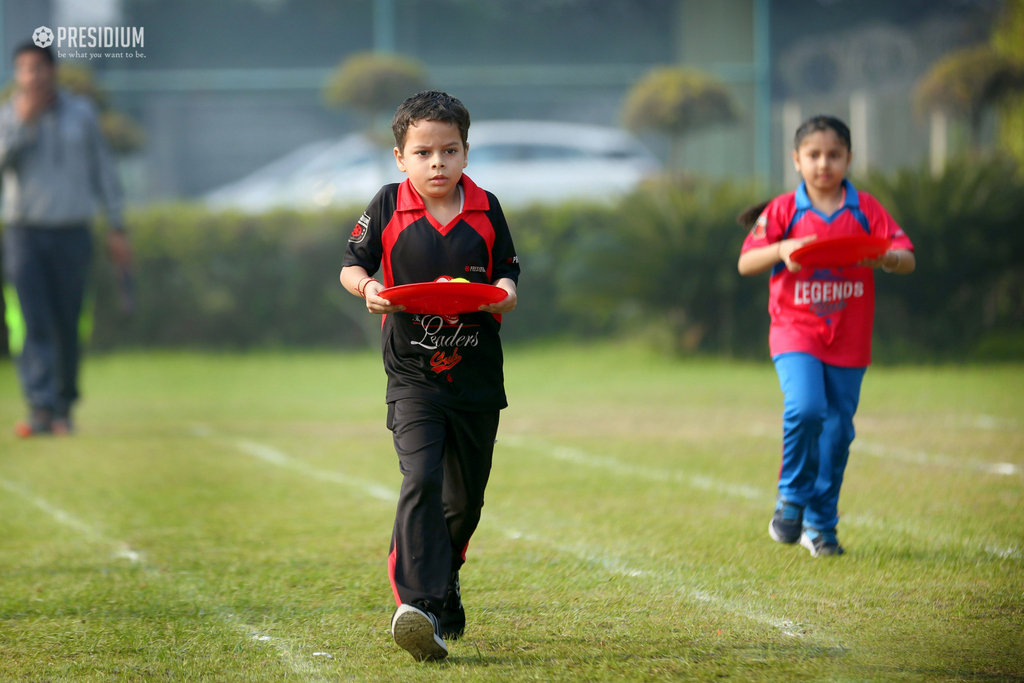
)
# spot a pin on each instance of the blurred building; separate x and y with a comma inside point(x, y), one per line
point(225, 86)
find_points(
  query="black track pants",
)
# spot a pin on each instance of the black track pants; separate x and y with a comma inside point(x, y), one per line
point(445, 458)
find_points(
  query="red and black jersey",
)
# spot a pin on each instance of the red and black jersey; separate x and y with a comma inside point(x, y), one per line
point(453, 360)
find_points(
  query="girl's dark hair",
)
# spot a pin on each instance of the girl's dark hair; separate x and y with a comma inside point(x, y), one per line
point(749, 215)
point(819, 123)
point(429, 105)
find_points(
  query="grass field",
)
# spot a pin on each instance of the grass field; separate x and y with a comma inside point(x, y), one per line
point(226, 518)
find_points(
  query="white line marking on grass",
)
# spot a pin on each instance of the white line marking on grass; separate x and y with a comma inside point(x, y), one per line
point(580, 457)
point(922, 458)
point(869, 521)
point(281, 459)
point(297, 664)
point(1005, 553)
point(122, 549)
point(611, 564)
point(912, 457)
point(615, 565)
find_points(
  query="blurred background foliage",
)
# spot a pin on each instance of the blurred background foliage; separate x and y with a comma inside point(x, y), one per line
point(675, 101)
point(373, 86)
point(659, 266)
point(1008, 40)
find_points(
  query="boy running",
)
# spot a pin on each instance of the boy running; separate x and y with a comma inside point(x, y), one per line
point(445, 382)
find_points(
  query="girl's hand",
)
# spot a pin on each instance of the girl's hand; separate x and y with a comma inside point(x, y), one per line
point(886, 260)
point(375, 304)
point(787, 247)
point(506, 304)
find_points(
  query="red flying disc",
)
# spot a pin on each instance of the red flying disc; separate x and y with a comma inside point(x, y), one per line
point(443, 298)
point(840, 252)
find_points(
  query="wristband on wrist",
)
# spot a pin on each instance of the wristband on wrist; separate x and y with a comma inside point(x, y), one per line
point(894, 268)
point(361, 287)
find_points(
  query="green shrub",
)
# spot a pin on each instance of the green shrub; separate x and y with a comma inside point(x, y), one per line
point(231, 280)
point(661, 264)
point(969, 282)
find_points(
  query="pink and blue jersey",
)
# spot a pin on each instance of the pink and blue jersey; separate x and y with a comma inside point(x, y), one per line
point(825, 312)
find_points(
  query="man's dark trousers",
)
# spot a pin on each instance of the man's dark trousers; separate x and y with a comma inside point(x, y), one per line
point(49, 267)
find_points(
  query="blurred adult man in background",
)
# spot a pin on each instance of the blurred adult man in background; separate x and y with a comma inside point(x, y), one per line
point(56, 168)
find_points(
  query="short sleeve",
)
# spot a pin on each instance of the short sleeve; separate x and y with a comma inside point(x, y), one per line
point(884, 225)
point(770, 227)
point(504, 261)
point(365, 246)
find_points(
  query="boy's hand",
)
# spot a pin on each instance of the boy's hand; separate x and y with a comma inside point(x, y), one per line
point(787, 247)
point(374, 304)
point(506, 304)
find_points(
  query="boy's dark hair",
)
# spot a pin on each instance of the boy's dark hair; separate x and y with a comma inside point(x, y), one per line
point(29, 46)
point(819, 123)
point(430, 105)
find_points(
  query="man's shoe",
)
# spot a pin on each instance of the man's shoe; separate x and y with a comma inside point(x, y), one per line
point(453, 614)
point(786, 522)
point(40, 421)
point(61, 425)
point(821, 543)
point(419, 633)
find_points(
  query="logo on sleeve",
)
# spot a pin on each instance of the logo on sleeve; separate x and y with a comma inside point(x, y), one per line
point(760, 229)
point(359, 232)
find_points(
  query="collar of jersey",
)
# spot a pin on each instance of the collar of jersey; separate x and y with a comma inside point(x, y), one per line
point(410, 200)
point(851, 200)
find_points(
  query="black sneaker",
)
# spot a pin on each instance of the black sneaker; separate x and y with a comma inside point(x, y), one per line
point(453, 614)
point(821, 543)
point(786, 522)
point(419, 633)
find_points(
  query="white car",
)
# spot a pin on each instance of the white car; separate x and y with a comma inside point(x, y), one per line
point(345, 172)
point(526, 162)
point(521, 162)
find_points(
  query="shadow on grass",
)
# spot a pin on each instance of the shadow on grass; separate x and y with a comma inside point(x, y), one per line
point(761, 652)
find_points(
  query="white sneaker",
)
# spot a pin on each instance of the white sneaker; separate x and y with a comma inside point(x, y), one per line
point(418, 633)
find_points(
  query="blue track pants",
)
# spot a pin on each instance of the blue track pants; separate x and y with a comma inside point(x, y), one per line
point(817, 423)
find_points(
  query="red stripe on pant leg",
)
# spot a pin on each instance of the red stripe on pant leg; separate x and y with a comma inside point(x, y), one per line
point(392, 558)
point(464, 549)
point(783, 463)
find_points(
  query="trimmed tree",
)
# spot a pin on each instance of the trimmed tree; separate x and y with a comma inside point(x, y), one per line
point(966, 82)
point(1008, 40)
point(676, 101)
point(373, 85)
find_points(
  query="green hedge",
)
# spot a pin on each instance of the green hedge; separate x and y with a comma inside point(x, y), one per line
point(966, 298)
point(227, 280)
point(660, 265)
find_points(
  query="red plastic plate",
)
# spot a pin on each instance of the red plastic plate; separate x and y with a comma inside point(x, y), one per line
point(840, 252)
point(443, 298)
